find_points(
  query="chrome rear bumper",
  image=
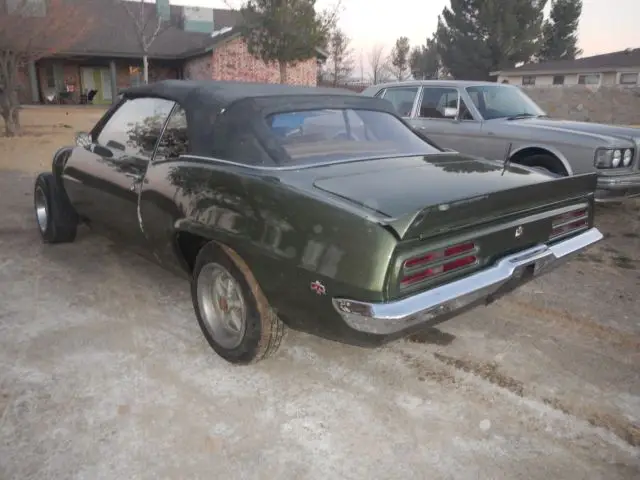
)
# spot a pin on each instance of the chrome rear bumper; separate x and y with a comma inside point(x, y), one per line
point(506, 274)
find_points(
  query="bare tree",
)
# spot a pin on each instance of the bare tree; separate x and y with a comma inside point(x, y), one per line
point(377, 64)
point(148, 25)
point(341, 62)
point(29, 32)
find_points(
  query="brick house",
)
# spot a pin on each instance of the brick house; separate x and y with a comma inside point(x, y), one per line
point(197, 43)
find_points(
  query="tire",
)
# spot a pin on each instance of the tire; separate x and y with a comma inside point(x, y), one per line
point(56, 219)
point(546, 164)
point(242, 334)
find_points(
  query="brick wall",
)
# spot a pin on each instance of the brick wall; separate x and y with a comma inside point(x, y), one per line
point(604, 104)
point(198, 68)
point(232, 61)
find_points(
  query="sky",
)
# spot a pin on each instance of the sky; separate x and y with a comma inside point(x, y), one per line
point(605, 25)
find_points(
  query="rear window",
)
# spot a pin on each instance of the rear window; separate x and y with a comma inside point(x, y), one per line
point(314, 136)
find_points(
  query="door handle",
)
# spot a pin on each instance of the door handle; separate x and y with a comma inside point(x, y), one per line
point(137, 179)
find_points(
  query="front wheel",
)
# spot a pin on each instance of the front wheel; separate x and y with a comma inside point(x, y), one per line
point(232, 312)
point(56, 218)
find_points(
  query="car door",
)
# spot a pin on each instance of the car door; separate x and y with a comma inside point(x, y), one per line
point(168, 189)
point(105, 175)
point(459, 133)
point(492, 143)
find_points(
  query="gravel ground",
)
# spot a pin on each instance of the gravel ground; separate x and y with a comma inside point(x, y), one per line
point(105, 374)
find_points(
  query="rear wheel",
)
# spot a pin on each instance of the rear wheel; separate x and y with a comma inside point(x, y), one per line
point(56, 219)
point(232, 312)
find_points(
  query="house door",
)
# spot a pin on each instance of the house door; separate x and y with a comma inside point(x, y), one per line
point(100, 80)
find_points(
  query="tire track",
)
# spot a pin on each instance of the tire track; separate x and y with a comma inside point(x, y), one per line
point(614, 423)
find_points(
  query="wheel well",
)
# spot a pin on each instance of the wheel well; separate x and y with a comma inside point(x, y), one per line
point(188, 245)
point(539, 157)
point(59, 160)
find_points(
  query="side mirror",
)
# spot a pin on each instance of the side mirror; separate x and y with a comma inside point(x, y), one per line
point(450, 112)
point(83, 139)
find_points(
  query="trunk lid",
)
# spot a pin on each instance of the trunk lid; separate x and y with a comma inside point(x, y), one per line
point(424, 198)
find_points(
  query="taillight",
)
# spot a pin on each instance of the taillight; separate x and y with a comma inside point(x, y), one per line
point(568, 223)
point(438, 262)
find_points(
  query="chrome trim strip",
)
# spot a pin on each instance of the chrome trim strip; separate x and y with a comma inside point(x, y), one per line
point(306, 166)
point(392, 317)
point(621, 181)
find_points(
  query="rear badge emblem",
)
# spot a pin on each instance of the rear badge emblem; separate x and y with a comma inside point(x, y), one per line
point(518, 232)
point(318, 288)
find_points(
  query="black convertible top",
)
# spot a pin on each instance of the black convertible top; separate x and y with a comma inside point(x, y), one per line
point(227, 119)
point(222, 93)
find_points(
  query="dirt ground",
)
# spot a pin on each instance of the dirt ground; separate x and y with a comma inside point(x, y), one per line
point(105, 374)
point(45, 129)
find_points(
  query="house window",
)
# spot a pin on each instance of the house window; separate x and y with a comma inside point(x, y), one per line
point(628, 78)
point(50, 76)
point(589, 79)
point(558, 79)
point(528, 80)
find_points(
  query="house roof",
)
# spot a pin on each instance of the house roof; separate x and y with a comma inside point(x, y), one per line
point(112, 32)
point(615, 61)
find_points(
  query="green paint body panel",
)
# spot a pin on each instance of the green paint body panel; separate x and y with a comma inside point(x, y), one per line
point(347, 225)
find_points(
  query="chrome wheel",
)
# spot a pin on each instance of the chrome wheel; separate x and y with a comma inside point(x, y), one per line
point(221, 305)
point(42, 212)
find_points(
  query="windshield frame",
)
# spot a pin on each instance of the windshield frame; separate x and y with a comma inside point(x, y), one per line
point(530, 106)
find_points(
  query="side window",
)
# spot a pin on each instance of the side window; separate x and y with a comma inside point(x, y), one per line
point(402, 99)
point(175, 139)
point(135, 127)
point(436, 99)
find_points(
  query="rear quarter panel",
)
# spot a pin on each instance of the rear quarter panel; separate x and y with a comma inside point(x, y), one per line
point(288, 238)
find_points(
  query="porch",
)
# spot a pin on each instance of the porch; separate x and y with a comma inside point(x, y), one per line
point(91, 80)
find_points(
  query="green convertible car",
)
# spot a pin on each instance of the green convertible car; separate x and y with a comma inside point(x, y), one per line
point(318, 209)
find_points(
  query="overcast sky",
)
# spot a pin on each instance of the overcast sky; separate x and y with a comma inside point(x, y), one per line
point(605, 25)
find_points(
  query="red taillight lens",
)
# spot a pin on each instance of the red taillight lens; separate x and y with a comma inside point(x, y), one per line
point(457, 249)
point(569, 222)
point(414, 262)
point(459, 263)
point(437, 263)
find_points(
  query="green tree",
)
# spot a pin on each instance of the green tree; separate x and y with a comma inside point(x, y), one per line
point(285, 31)
point(424, 61)
point(476, 37)
point(560, 31)
point(341, 62)
point(399, 60)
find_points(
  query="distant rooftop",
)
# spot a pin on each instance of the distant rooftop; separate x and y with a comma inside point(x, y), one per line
point(614, 61)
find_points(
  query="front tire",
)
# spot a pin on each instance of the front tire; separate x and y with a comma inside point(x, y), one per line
point(232, 312)
point(56, 219)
